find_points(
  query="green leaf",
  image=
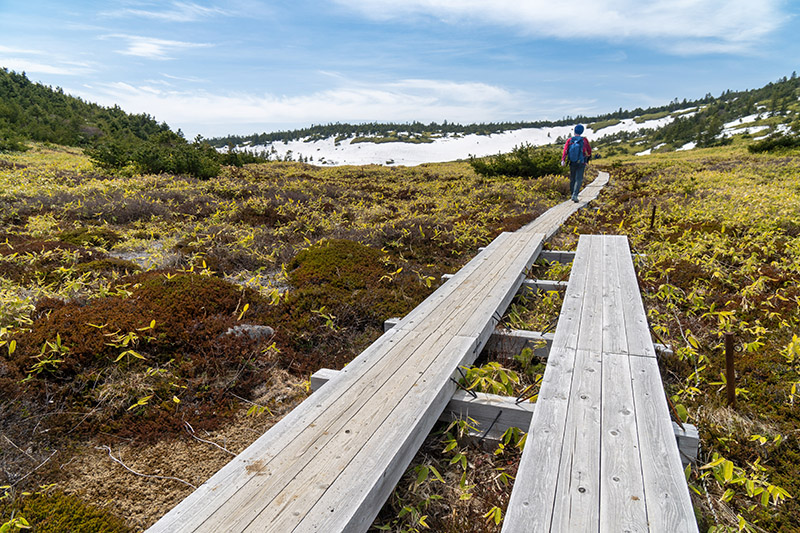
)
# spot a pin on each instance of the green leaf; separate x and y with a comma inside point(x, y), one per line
point(682, 412)
point(727, 470)
point(422, 475)
point(436, 474)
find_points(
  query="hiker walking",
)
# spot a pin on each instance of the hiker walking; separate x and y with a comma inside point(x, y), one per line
point(578, 151)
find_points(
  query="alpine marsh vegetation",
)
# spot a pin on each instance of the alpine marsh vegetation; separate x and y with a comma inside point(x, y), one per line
point(119, 296)
point(126, 300)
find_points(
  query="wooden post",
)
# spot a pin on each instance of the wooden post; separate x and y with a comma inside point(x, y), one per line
point(730, 370)
point(653, 217)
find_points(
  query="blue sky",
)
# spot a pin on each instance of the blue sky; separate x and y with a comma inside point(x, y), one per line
point(246, 66)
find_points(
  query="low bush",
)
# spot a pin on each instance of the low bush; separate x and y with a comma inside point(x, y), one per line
point(525, 160)
point(58, 512)
point(164, 152)
point(775, 143)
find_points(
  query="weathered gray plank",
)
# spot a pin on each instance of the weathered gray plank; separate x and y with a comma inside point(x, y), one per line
point(622, 503)
point(615, 339)
point(669, 507)
point(577, 498)
point(590, 336)
point(530, 507)
point(636, 328)
point(557, 256)
point(568, 328)
point(506, 343)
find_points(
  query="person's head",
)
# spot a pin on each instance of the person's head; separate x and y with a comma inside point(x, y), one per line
point(578, 129)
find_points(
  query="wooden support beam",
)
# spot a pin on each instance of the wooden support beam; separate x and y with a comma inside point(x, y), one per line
point(506, 343)
point(557, 256)
point(532, 284)
point(493, 415)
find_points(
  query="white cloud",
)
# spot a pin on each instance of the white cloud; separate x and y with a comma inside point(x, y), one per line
point(64, 68)
point(680, 26)
point(174, 12)
point(399, 101)
point(152, 48)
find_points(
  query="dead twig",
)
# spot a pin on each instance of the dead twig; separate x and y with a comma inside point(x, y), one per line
point(35, 469)
point(190, 431)
point(132, 471)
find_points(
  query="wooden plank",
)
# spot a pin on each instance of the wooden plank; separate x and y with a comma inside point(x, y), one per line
point(669, 507)
point(590, 337)
point(622, 498)
point(348, 482)
point(557, 256)
point(688, 442)
point(530, 508)
point(566, 335)
point(636, 328)
point(577, 498)
point(615, 338)
point(506, 343)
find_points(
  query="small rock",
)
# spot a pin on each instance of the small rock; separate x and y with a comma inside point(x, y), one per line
point(257, 333)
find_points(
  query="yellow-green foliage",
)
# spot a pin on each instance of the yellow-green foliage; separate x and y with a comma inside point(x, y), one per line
point(597, 126)
point(59, 513)
point(651, 116)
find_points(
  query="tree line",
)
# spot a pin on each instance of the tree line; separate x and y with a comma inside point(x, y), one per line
point(112, 138)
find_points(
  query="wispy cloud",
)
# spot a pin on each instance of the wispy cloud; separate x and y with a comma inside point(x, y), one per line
point(397, 101)
point(152, 48)
point(41, 62)
point(678, 26)
point(172, 12)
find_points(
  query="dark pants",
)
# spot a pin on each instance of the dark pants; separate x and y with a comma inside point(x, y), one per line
point(576, 178)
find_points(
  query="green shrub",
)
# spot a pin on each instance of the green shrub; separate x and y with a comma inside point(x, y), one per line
point(91, 236)
point(526, 161)
point(341, 263)
point(164, 152)
point(10, 142)
point(59, 512)
point(774, 143)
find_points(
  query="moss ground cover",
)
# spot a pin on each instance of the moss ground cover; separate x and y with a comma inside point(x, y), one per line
point(120, 299)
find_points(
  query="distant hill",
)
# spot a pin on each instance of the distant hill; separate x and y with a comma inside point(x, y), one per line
point(31, 111)
point(416, 132)
point(679, 125)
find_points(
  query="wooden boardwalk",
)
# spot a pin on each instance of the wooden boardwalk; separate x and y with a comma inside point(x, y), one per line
point(330, 464)
point(550, 221)
point(601, 455)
